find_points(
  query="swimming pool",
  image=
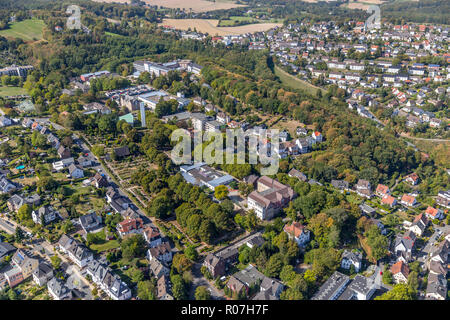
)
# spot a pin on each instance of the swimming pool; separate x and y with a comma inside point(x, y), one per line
point(20, 167)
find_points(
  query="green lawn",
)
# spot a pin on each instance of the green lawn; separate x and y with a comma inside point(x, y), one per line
point(114, 34)
point(11, 91)
point(111, 244)
point(28, 30)
point(295, 82)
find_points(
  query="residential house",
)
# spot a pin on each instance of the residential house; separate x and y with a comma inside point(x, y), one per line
point(389, 200)
point(110, 283)
point(5, 250)
point(400, 272)
point(272, 287)
point(6, 186)
point(58, 289)
point(294, 173)
point(163, 288)
point(443, 199)
point(244, 279)
point(42, 274)
point(26, 264)
point(340, 184)
point(382, 190)
point(17, 201)
point(100, 181)
point(367, 210)
point(79, 254)
point(75, 171)
point(44, 214)
point(419, 224)
point(152, 236)
point(84, 161)
point(158, 268)
point(90, 222)
point(63, 152)
point(130, 226)
point(404, 246)
point(162, 252)
point(436, 287)
point(408, 200)
point(64, 163)
point(363, 188)
point(256, 241)
point(433, 213)
point(215, 265)
point(412, 178)
point(296, 231)
point(351, 258)
point(14, 276)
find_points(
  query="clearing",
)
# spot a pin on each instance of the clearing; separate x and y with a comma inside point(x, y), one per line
point(27, 30)
point(12, 91)
point(210, 26)
point(295, 82)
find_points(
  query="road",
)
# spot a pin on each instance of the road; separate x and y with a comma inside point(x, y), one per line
point(7, 227)
point(200, 280)
point(423, 139)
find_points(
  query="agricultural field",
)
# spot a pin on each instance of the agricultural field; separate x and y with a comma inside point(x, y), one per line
point(191, 5)
point(210, 26)
point(27, 30)
point(195, 5)
point(363, 5)
point(236, 20)
point(11, 91)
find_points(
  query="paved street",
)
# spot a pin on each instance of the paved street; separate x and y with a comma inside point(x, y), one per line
point(200, 280)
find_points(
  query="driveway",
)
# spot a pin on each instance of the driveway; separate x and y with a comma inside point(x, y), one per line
point(78, 284)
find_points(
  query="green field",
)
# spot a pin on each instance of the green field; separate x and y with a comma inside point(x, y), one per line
point(11, 91)
point(28, 30)
point(295, 82)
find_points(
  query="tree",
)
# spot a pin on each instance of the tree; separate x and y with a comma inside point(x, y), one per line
point(133, 247)
point(181, 263)
point(387, 277)
point(24, 213)
point(178, 287)
point(274, 266)
point(56, 262)
point(400, 291)
point(146, 290)
point(19, 236)
point(221, 192)
point(136, 275)
point(160, 207)
point(413, 281)
point(191, 253)
point(377, 242)
point(202, 293)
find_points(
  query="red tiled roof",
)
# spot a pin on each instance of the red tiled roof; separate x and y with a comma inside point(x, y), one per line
point(408, 199)
point(432, 211)
point(381, 188)
point(130, 224)
point(388, 200)
point(296, 229)
point(400, 267)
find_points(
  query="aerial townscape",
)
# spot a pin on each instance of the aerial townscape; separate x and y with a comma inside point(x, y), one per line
point(94, 206)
